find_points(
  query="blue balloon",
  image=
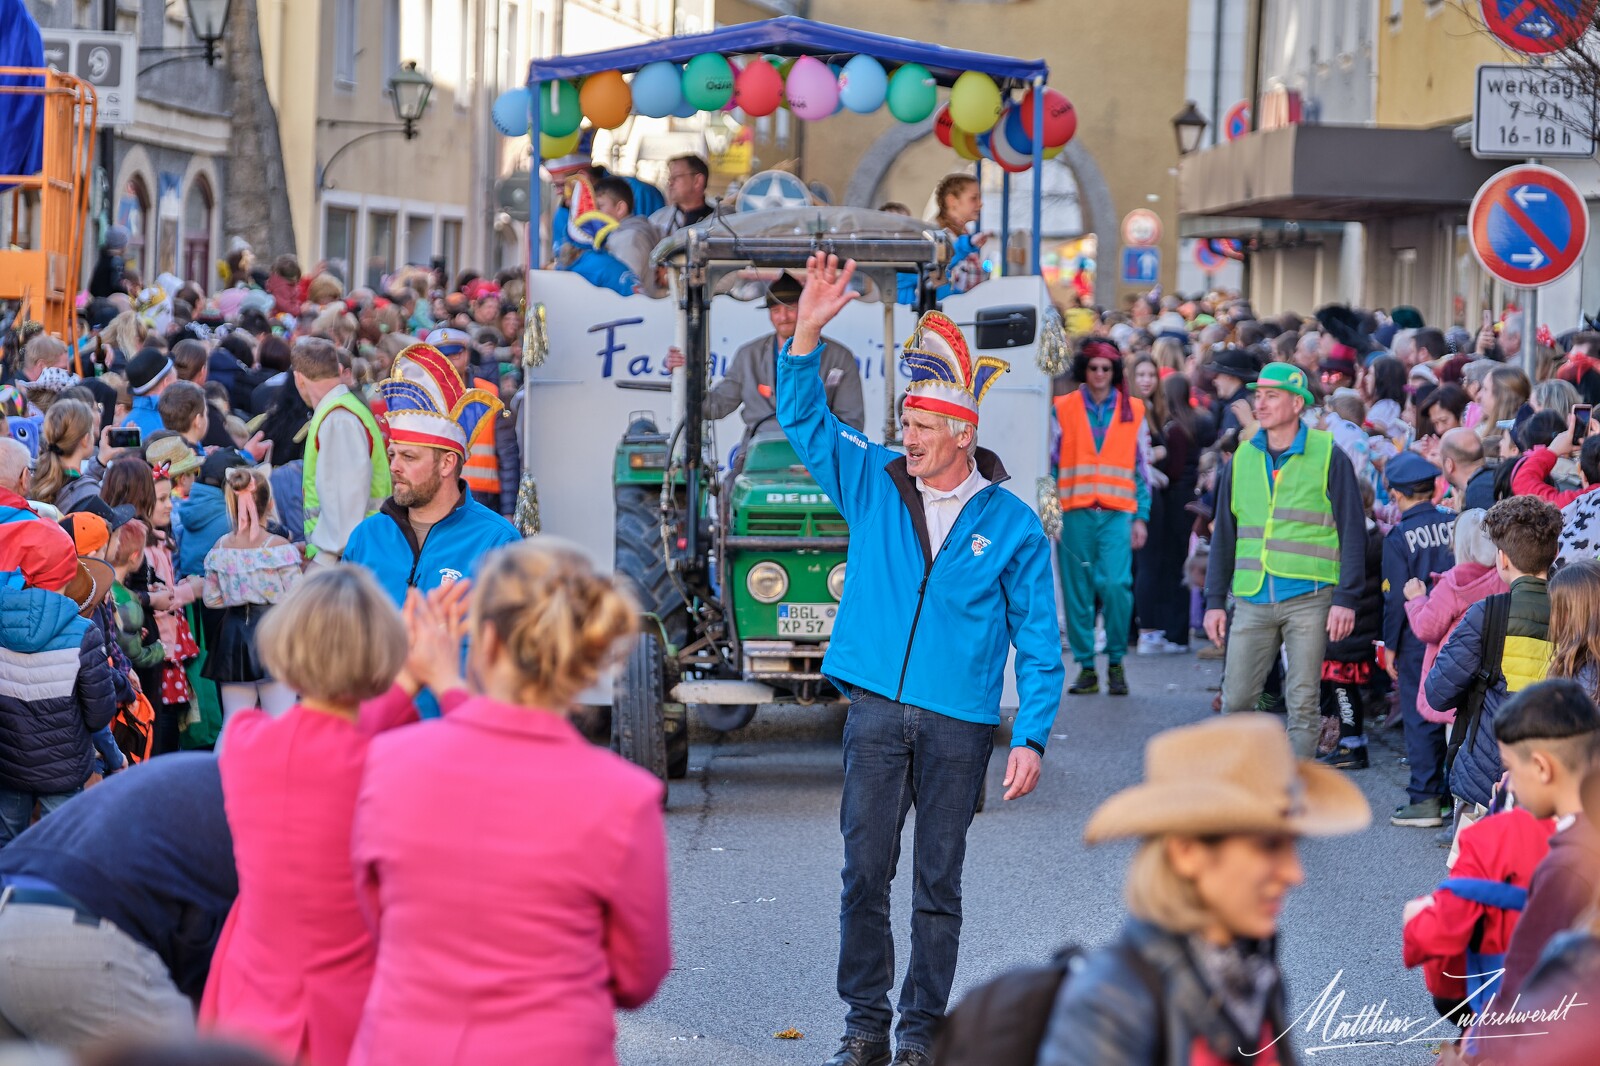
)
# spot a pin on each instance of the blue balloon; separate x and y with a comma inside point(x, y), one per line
point(685, 110)
point(837, 70)
point(510, 112)
point(863, 85)
point(1016, 136)
point(657, 90)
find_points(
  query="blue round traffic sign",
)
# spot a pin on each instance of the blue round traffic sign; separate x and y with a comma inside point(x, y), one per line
point(1529, 225)
point(1538, 27)
point(1237, 122)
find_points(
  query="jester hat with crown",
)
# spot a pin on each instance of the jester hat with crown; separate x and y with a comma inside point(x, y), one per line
point(945, 379)
point(587, 225)
point(429, 406)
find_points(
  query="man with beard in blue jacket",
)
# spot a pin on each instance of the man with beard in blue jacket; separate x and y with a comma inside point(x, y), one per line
point(955, 570)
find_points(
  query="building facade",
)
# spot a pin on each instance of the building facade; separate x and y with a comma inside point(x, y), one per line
point(1126, 87)
point(163, 176)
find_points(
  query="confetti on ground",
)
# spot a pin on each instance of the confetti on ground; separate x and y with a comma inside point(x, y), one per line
point(789, 1034)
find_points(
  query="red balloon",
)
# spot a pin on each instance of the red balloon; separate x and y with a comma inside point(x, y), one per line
point(1060, 119)
point(758, 89)
point(942, 124)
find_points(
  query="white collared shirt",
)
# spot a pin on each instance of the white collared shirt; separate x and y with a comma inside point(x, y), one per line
point(943, 508)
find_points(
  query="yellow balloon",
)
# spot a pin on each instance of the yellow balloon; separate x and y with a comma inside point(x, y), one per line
point(1051, 153)
point(975, 102)
point(605, 99)
point(965, 145)
point(556, 147)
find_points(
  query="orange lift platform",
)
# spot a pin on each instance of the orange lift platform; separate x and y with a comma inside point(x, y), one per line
point(41, 255)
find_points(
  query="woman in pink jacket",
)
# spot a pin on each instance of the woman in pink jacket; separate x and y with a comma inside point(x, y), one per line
point(514, 873)
point(294, 961)
point(1434, 615)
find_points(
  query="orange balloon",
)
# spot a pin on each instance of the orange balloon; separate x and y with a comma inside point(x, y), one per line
point(605, 99)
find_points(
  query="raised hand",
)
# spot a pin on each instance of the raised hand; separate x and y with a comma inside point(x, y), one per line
point(825, 295)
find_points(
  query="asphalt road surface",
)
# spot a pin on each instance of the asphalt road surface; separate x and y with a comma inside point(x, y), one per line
point(755, 856)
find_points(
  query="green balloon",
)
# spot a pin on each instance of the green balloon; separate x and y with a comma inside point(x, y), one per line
point(708, 82)
point(560, 116)
point(913, 93)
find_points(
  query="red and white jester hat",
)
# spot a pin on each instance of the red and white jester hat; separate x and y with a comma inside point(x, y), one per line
point(945, 379)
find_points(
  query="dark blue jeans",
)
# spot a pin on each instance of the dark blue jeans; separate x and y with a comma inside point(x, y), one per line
point(895, 757)
point(1425, 743)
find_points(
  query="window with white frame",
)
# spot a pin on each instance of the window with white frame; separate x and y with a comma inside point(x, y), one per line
point(344, 44)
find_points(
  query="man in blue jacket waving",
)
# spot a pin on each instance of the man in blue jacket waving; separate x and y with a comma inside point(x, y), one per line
point(948, 571)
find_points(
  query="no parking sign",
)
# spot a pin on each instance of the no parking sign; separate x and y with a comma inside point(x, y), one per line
point(1529, 225)
point(1538, 27)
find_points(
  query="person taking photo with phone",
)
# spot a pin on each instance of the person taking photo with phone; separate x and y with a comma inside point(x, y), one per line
point(1532, 476)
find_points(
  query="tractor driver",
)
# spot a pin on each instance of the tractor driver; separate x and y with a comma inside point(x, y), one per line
point(748, 386)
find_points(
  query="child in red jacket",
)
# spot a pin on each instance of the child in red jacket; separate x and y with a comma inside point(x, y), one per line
point(1463, 928)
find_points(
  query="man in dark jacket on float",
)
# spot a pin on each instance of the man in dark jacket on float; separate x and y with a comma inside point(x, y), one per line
point(55, 681)
point(120, 905)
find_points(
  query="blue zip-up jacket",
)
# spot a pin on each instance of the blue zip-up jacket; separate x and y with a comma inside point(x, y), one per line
point(204, 518)
point(145, 415)
point(55, 689)
point(386, 544)
point(932, 634)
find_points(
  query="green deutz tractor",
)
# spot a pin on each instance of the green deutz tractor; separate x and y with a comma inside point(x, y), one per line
point(739, 577)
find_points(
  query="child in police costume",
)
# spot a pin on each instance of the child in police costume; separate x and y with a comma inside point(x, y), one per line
point(1416, 549)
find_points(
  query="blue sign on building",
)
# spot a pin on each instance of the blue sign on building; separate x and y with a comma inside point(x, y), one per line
point(1141, 266)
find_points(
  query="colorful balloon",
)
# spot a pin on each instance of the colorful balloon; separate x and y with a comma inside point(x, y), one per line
point(757, 90)
point(863, 85)
point(965, 145)
point(913, 94)
point(510, 112)
point(975, 102)
point(811, 90)
point(997, 148)
point(942, 126)
point(657, 90)
point(707, 82)
point(733, 101)
point(559, 111)
point(605, 99)
point(1051, 153)
point(1060, 118)
point(556, 147)
point(1010, 130)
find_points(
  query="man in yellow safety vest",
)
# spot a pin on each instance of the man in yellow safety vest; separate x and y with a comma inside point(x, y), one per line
point(1288, 542)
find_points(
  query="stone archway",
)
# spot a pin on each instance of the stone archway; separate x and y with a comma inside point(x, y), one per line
point(1099, 210)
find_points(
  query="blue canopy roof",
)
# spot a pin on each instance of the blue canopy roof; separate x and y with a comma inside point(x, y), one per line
point(791, 36)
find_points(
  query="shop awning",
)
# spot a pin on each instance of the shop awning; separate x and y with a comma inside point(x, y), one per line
point(1331, 173)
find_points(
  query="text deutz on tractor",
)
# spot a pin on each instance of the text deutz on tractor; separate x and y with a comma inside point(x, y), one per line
point(740, 578)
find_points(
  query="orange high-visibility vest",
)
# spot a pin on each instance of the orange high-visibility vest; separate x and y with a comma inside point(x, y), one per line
point(1103, 478)
point(482, 468)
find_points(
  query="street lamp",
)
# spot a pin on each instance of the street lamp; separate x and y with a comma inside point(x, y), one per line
point(410, 89)
point(1189, 125)
point(209, 21)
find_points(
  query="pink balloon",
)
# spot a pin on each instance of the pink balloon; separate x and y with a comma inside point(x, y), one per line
point(733, 101)
point(812, 89)
point(758, 89)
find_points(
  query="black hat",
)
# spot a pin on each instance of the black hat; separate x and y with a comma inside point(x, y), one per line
point(1235, 362)
point(784, 290)
point(1346, 327)
point(147, 368)
point(115, 517)
point(215, 470)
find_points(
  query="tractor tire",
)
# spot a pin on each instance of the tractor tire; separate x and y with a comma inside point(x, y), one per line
point(725, 717)
point(638, 719)
point(637, 556)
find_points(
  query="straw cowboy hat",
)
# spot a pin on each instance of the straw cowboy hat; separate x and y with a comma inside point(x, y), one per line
point(1235, 774)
